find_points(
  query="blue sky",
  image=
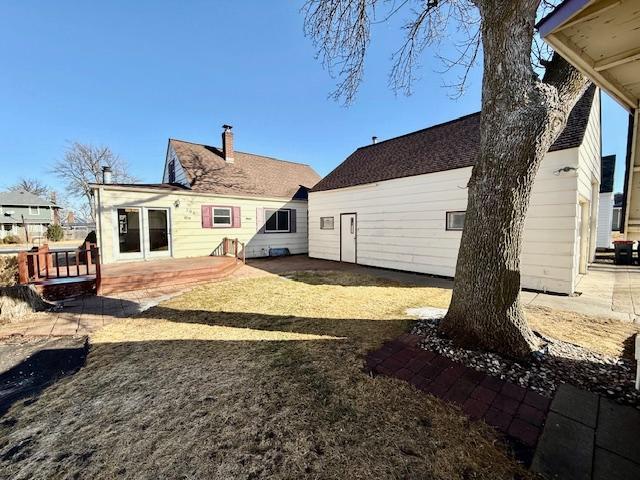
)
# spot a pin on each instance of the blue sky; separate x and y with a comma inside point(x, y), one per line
point(132, 74)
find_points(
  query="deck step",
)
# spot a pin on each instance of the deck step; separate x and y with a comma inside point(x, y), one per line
point(126, 283)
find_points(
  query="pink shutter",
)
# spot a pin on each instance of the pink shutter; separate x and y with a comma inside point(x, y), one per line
point(235, 217)
point(207, 221)
point(260, 220)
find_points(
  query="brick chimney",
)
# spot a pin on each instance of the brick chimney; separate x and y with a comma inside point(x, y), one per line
point(227, 143)
point(71, 218)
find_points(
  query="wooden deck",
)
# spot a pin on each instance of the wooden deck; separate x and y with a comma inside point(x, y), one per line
point(123, 277)
point(61, 274)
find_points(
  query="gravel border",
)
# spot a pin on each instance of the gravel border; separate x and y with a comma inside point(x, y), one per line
point(555, 363)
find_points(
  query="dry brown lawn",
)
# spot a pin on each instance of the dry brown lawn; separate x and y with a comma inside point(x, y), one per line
point(603, 335)
point(253, 378)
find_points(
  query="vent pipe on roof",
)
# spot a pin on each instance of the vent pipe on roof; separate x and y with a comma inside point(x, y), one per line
point(106, 174)
point(227, 143)
point(374, 140)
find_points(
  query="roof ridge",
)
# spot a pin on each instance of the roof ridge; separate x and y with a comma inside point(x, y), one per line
point(246, 153)
point(422, 130)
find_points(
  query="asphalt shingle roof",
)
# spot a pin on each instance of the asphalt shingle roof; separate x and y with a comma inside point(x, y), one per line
point(21, 198)
point(250, 174)
point(450, 145)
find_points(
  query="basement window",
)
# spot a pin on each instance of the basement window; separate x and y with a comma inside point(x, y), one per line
point(455, 220)
point(326, 223)
point(278, 221)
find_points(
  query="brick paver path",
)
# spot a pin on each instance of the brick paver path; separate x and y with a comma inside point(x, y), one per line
point(515, 411)
point(85, 314)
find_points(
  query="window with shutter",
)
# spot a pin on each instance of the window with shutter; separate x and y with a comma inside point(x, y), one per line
point(278, 221)
point(218, 216)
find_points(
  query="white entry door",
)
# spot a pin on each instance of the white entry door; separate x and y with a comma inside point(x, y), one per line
point(348, 237)
point(157, 233)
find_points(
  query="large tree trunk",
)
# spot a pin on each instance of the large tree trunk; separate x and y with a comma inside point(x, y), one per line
point(521, 117)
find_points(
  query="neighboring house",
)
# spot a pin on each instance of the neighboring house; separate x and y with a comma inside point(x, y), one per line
point(20, 210)
point(207, 194)
point(401, 203)
point(605, 209)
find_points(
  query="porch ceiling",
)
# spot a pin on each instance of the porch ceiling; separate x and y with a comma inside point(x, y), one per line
point(602, 39)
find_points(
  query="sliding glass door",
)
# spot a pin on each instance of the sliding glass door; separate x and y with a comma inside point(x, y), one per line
point(142, 233)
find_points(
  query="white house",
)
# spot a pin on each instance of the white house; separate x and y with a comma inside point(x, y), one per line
point(400, 203)
point(606, 205)
point(207, 194)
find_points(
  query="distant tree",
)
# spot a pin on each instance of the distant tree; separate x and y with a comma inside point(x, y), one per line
point(31, 185)
point(82, 165)
point(527, 96)
point(55, 233)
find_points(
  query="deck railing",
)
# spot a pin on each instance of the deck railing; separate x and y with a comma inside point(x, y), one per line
point(230, 246)
point(41, 263)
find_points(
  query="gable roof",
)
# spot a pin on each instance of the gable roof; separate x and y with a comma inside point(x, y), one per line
point(450, 145)
point(21, 198)
point(607, 170)
point(250, 174)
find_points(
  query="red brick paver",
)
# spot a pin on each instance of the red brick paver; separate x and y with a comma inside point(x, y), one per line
point(513, 410)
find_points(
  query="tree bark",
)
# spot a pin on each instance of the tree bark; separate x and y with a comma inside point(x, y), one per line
point(521, 118)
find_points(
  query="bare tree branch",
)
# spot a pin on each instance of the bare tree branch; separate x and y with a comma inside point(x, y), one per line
point(31, 185)
point(82, 165)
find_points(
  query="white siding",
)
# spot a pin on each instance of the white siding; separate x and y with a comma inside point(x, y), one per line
point(605, 218)
point(189, 238)
point(401, 223)
point(589, 159)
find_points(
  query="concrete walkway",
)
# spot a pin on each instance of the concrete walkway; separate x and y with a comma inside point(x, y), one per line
point(606, 291)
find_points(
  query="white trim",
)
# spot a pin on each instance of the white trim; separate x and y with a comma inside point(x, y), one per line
point(96, 186)
point(31, 207)
point(147, 237)
point(116, 232)
point(213, 217)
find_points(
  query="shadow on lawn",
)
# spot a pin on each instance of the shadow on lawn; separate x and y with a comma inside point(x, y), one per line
point(57, 360)
point(361, 329)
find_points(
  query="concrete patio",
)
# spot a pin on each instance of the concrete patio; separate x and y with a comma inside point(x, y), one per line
point(606, 291)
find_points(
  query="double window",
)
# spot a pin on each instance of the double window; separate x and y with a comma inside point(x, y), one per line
point(277, 221)
point(455, 220)
point(34, 210)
